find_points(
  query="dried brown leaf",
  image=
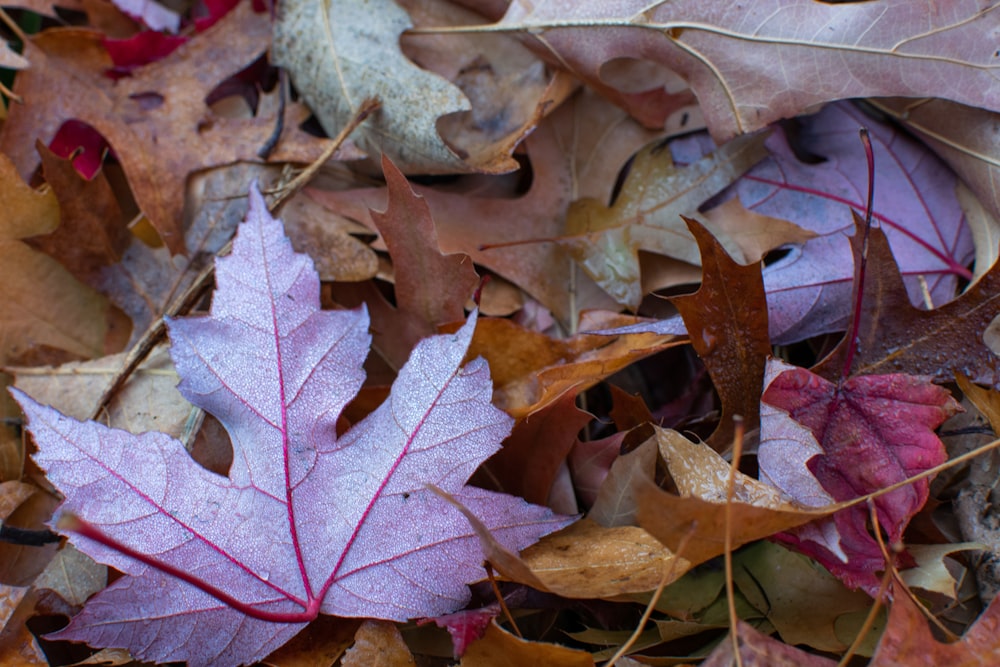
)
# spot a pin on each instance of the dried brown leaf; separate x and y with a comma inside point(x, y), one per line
point(378, 643)
point(646, 215)
point(727, 322)
point(499, 648)
point(44, 305)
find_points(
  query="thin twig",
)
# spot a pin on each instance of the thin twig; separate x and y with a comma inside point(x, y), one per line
point(500, 600)
point(728, 537)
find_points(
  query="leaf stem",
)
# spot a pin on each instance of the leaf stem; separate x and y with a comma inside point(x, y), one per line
point(859, 277)
point(310, 609)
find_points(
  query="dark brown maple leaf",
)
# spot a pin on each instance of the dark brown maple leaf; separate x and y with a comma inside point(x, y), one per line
point(894, 336)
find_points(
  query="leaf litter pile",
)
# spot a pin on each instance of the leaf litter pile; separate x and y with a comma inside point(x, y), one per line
point(489, 333)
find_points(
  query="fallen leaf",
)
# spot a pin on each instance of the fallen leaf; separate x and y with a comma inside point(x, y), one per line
point(871, 432)
point(727, 322)
point(785, 587)
point(986, 401)
point(809, 287)
point(92, 233)
point(277, 372)
point(931, 571)
point(499, 648)
point(148, 278)
point(337, 59)
point(936, 343)
point(532, 370)
point(148, 401)
point(72, 576)
point(45, 306)
point(339, 255)
point(321, 644)
point(589, 462)
point(616, 502)
point(431, 288)
point(646, 215)
point(157, 120)
point(717, 48)
point(577, 151)
point(908, 641)
point(587, 560)
point(378, 643)
point(961, 135)
point(24, 506)
point(510, 89)
point(532, 455)
point(693, 524)
point(759, 650)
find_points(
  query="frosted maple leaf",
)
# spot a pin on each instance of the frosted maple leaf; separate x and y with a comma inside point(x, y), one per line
point(224, 570)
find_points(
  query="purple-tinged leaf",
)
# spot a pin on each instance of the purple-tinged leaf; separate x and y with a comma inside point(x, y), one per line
point(223, 570)
point(837, 442)
point(809, 289)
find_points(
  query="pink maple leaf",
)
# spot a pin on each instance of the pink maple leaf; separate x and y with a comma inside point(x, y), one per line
point(855, 437)
point(223, 570)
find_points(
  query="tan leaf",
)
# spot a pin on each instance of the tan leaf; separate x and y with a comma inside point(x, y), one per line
point(576, 152)
point(43, 304)
point(378, 644)
point(499, 648)
point(73, 576)
point(647, 214)
point(531, 370)
point(341, 54)
point(616, 503)
point(587, 560)
point(697, 517)
point(753, 233)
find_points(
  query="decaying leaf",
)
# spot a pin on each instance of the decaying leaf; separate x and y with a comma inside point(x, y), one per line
point(431, 288)
point(908, 640)
point(44, 305)
point(719, 47)
point(694, 522)
point(577, 151)
point(953, 338)
point(759, 650)
point(647, 214)
point(499, 648)
point(378, 643)
point(157, 120)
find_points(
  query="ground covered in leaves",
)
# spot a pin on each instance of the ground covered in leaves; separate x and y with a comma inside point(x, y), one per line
point(573, 346)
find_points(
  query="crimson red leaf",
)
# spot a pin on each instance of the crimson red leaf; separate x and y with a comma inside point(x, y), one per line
point(83, 144)
point(306, 522)
point(872, 431)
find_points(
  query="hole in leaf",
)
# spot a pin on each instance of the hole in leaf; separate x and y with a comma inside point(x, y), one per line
point(776, 255)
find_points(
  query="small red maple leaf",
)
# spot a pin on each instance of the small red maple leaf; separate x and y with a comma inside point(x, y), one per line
point(872, 431)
